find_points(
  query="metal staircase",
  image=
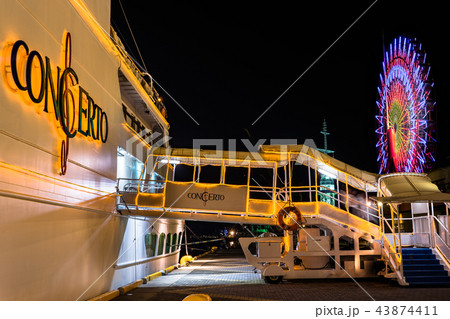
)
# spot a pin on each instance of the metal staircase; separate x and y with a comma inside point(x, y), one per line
point(422, 268)
point(415, 238)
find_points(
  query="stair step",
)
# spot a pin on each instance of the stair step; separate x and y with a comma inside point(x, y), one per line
point(420, 261)
point(425, 272)
point(436, 279)
point(419, 256)
point(416, 251)
point(422, 266)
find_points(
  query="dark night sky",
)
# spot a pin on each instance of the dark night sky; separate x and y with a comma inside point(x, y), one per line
point(226, 62)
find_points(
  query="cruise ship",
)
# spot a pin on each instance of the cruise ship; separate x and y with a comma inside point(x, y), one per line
point(78, 121)
point(90, 200)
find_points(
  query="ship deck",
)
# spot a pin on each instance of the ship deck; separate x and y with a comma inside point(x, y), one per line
point(226, 276)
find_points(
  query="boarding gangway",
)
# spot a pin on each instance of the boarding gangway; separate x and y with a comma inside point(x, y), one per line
point(250, 187)
point(335, 233)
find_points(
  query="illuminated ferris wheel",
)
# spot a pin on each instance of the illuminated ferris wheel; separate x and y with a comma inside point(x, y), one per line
point(405, 127)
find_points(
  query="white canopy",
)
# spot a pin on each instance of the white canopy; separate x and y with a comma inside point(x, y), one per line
point(271, 155)
point(408, 188)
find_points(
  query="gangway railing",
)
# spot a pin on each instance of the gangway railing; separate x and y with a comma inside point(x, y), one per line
point(441, 235)
point(392, 252)
point(130, 185)
point(148, 197)
point(281, 194)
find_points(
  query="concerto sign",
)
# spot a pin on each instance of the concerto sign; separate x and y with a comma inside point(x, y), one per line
point(206, 196)
point(75, 111)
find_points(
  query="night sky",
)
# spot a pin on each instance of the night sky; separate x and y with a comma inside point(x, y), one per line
point(226, 62)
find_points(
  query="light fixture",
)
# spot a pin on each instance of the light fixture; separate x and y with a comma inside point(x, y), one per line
point(174, 162)
point(327, 173)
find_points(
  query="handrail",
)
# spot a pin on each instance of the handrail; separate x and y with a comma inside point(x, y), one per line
point(390, 251)
point(148, 87)
point(394, 235)
point(132, 185)
point(442, 253)
point(396, 262)
point(437, 219)
point(444, 241)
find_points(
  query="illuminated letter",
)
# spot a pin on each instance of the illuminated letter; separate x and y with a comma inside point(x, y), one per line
point(63, 95)
point(96, 112)
point(83, 113)
point(49, 79)
point(14, 72)
point(104, 136)
point(29, 74)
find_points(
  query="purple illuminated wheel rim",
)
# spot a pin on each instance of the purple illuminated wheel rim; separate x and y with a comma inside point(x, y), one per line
point(405, 127)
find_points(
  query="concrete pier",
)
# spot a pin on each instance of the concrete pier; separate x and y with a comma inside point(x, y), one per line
point(225, 275)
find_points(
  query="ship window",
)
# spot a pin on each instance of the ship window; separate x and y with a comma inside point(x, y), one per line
point(236, 175)
point(301, 176)
point(184, 173)
point(261, 180)
point(300, 182)
point(180, 239)
point(261, 176)
point(156, 183)
point(328, 187)
point(281, 177)
point(128, 166)
point(357, 202)
point(174, 242)
point(162, 236)
point(210, 174)
point(150, 244)
point(168, 242)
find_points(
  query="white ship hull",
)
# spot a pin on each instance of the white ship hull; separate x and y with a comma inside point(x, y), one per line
point(60, 237)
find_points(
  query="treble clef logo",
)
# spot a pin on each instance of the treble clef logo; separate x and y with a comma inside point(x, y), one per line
point(67, 105)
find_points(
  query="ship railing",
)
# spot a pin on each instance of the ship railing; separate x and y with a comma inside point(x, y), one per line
point(147, 85)
point(129, 185)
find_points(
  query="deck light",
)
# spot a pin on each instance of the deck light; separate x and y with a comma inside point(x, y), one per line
point(173, 162)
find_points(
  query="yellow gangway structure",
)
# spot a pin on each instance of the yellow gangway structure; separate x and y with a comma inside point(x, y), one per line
point(324, 205)
point(250, 187)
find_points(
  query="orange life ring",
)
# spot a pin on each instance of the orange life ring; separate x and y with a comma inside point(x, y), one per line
point(289, 212)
